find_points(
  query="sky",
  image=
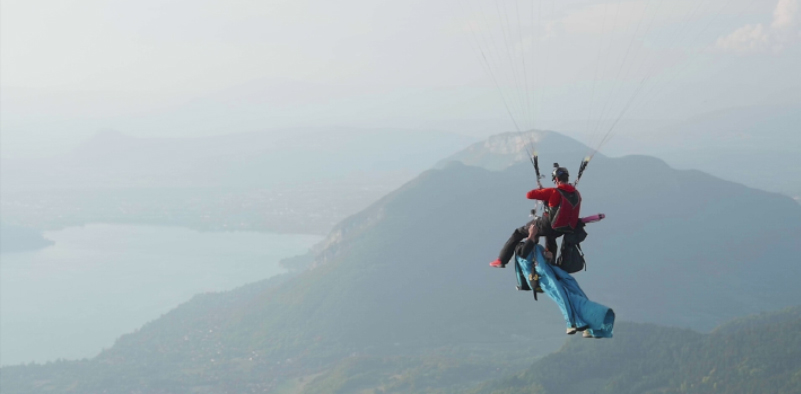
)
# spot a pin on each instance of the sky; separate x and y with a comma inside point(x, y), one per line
point(69, 69)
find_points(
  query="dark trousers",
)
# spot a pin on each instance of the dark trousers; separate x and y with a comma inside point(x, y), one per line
point(520, 233)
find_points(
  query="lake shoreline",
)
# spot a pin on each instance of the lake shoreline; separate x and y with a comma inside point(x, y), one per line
point(99, 281)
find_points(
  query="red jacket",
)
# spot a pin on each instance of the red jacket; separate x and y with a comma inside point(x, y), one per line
point(550, 194)
point(561, 218)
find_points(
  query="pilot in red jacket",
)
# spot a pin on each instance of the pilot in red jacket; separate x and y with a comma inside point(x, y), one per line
point(563, 206)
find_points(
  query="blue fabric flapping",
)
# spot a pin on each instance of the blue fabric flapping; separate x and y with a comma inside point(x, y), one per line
point(576, 308)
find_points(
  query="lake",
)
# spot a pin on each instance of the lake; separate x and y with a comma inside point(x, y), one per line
point(99, 281)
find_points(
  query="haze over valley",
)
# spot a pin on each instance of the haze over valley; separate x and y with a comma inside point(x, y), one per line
point(303, 197)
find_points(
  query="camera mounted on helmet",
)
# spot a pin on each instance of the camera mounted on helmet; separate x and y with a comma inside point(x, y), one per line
point(560, 173)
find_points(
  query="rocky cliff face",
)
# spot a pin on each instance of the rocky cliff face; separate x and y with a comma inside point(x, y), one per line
point(504, 150)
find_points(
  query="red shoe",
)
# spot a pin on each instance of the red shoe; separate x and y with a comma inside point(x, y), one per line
point(497, 264)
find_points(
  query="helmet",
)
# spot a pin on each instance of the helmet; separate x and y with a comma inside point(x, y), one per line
point(559, 173)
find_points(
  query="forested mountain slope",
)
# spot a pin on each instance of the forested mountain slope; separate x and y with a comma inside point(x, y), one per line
point(757, 354)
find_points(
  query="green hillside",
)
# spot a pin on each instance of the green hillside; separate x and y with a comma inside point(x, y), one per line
point(758, 354)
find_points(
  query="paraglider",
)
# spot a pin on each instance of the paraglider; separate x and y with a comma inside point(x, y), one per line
point(539, 269)
point(561, 214)
point(517, 45)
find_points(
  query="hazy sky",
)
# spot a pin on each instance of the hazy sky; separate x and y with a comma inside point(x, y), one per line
point(184, 68)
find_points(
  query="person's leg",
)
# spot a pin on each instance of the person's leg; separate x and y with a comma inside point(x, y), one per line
point(508, 249)
point(551, 246)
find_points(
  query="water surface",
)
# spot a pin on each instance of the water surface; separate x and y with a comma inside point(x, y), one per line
point(97, 282)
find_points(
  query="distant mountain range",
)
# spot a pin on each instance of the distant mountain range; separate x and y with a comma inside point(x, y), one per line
point(758, 146)
point(245, 160)
point(296, 181)
point(407, 278)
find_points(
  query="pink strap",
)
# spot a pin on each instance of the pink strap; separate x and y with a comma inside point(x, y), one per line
point(593, 218)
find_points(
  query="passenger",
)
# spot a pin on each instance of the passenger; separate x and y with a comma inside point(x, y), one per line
point(580, 314)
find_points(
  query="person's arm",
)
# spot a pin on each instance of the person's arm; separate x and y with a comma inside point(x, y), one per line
point(533, 239)
point(540, 194)
point(524, 249)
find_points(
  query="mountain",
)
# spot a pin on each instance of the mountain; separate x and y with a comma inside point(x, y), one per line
point(757, 354)
point(504, 150)
point(757, 145)
point(407, 279)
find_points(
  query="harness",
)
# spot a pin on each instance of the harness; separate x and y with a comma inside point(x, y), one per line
point(564, 216)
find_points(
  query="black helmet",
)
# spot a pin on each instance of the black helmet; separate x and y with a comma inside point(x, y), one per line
point(559, 173)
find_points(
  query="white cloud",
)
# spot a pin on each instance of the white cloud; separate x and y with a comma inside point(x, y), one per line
point(784, 16)
point(782, 32)
point(745, 39)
